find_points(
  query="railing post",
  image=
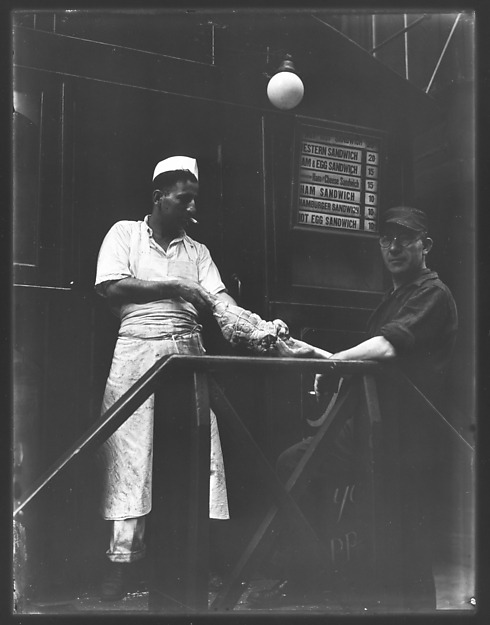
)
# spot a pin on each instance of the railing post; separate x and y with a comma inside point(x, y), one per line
point(179, 519)
point(380, 460)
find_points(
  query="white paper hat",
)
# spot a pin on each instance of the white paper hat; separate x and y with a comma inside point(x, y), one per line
point(175, 163)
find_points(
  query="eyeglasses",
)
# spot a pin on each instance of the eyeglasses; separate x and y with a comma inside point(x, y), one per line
point(402, 239)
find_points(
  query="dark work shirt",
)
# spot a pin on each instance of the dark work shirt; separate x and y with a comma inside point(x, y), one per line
point(420, 320)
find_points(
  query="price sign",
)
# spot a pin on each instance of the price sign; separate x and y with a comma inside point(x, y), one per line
point(337, 180)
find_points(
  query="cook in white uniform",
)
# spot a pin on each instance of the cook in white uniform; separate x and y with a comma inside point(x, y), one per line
point(156, 279)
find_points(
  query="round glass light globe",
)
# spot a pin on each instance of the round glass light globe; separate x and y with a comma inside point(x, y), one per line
point(285, 90)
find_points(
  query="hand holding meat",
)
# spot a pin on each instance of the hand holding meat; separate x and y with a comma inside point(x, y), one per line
point(245, 328)
point(194, 293)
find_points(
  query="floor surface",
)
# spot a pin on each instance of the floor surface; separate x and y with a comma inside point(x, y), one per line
point(453, 583)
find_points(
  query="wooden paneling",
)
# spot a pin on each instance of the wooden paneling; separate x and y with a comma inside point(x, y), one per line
point(72, 56)
point(157, 31)
point(26, 150)
point(55, 354)
point(444, 173)
point(243, 233)
point(56, 398)
point(36, 171)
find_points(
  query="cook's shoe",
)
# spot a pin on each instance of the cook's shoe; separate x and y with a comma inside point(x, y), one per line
point(112, 587)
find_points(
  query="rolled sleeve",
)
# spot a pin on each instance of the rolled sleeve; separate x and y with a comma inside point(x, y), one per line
point(418, 320)
point(113, 260)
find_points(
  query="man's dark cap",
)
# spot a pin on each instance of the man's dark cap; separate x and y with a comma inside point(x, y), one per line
point(407, 217)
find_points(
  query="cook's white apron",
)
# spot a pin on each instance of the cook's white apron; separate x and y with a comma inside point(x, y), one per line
point(127, 454)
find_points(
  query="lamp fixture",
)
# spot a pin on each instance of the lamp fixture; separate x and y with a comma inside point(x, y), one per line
point(285, 89)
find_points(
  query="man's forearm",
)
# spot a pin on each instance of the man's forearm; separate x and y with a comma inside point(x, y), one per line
point(319, 353)
point(375, 348)
point(135, 291)
point(141, 291)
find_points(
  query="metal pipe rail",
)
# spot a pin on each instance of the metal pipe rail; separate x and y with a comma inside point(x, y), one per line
point(113, 418)
point(178, 581)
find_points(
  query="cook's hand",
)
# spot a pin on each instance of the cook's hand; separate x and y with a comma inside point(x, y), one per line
point(194, 293)
point(293, 348)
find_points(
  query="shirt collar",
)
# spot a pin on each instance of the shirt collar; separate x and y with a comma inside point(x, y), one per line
point(183, 237)
point(420, 278)
point(188, 242)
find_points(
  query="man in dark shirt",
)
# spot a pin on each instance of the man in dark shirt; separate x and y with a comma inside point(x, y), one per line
point(418, 318)
point(414, 328)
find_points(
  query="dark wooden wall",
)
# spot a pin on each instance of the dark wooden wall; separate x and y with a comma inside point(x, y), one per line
point(444, 175)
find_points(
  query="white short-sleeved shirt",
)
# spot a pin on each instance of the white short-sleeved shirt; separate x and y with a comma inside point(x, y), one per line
point(130, 251)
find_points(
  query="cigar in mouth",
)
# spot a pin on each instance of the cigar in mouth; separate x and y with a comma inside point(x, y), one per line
point(194, 221)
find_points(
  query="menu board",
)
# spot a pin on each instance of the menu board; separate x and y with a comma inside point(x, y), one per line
point(337, 181)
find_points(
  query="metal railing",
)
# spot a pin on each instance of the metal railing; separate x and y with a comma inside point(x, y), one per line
point(183, 586)
point(122, 409)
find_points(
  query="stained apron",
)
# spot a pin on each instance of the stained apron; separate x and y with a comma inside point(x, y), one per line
point(127, 455)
